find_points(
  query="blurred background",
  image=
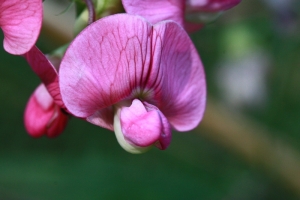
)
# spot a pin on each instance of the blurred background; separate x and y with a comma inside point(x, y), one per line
point(247, 146)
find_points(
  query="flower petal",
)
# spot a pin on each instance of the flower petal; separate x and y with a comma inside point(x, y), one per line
point(124, 143)
point(105, 63)
point(46, 71)
point(156, 10)
point(140, 127)
point(103, 118)
point(123, 57)
point(165, 134)
point(21, 22)
point(177, 77)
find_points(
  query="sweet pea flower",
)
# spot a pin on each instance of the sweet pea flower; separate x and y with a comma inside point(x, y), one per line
point(138, 79)
point(191, 14)
point(42, 116)
point(45, 113)
point(20, 21)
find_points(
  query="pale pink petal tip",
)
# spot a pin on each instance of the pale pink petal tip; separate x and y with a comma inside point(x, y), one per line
point(137, 129)
point(140, 127)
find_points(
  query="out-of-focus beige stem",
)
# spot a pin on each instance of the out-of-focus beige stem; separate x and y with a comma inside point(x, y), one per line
point(252, 142)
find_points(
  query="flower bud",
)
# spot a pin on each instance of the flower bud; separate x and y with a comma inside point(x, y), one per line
point(42, 116)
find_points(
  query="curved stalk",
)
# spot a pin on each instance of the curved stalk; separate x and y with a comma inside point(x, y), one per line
point(91, 9)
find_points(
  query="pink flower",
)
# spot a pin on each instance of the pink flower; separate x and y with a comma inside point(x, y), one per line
point(188, 13)
point(45, 112)
point(43, 116)
point(138, 79)
point(20, 21)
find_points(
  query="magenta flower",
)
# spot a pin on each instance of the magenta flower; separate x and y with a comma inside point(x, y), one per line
point(20, 21)
point(42, 116)
point(188, 13)
point(138, 79)
point(45, 112)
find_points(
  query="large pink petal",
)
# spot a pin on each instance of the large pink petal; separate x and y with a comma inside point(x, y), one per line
point(105, 63)
point(21, 22)
point(46, 71)
point(156, 10)
point(178, 77)
point(123, 57)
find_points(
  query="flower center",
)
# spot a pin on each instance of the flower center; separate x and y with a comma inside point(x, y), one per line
point(143, 94)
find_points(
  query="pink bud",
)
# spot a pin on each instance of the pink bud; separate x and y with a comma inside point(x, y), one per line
point(42, 116)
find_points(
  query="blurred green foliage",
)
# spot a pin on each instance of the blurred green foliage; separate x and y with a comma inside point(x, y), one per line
point(86, 162)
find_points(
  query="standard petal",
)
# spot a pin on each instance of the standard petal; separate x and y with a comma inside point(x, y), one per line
point(105, 63)
point(156, 10)
point(21, 22)
point(46, 72)
point(177, 77)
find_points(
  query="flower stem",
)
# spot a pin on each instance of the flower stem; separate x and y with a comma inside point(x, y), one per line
point(91, 9)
